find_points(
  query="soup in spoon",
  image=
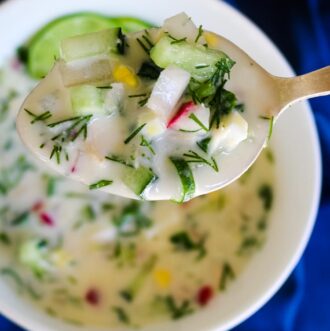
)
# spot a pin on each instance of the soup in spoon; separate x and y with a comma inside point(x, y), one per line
point(167, 113)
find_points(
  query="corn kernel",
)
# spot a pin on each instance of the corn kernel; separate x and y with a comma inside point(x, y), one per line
point(162, 278)
point(211, 39)
point(61, 258)
point(125, 75)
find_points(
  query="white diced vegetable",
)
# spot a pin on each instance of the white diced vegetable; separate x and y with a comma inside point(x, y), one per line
point(154, 127)
point(89, 44)
point(167, 91)
point(195, 118)
point(181, 26)
point(233, 130)
point(114, 98)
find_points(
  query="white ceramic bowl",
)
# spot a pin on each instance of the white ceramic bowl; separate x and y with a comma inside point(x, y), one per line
point(295, 144)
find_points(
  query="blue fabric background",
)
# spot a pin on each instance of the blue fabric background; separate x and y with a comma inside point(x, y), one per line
point(301, 29)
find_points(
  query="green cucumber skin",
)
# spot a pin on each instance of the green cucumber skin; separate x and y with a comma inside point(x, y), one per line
point(38, 66)
point(186, 177)
point(186, 56)
point(138, 179)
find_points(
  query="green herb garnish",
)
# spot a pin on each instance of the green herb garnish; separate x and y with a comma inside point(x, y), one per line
point(227, 274)
point(4, 238)
point(193, 117)
point(265, 193)
point(193, 157)
point(134, 133)
point(131, 220)
point(100, 183)
point(175, 40)
point(39, 118)
point(200, 33)
point(183, 242)
point(119, 159)
point(121, 315)
point(178, 310)
point(145, 143)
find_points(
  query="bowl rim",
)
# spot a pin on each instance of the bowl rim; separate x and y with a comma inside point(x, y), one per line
point(27, 322)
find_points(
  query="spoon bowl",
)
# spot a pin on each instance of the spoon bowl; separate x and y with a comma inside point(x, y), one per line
point(265, 97)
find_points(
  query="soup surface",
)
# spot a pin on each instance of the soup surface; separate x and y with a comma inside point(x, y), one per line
point(94, 259)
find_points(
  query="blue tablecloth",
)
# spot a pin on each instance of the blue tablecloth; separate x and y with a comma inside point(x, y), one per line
point(301, 29)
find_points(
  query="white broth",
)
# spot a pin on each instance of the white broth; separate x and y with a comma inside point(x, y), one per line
point(91, 258)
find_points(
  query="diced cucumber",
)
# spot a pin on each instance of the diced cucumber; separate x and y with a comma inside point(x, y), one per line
point(198, 60)
point(33, 255)
point(94, 43)
point(42, 49)
point(186, 177)
point(87, 99)
point(138, 179)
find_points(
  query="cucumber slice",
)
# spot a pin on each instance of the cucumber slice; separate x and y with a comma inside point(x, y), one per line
point(44, 46)
point(94, 43)
point(87, 99)
point(198, 60)
point(186, 177)
point(131, 24)
point(138, 179)
point(42, 49)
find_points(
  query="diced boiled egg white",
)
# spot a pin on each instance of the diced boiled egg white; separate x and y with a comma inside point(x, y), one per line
point(167, 91)
point(181, 26)
point(196, 118)
point(233, 129)
point(155, 125)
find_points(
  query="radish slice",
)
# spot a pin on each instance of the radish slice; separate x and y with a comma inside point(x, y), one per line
point(191, 118)
point(167, 91)
point(181, 26)
point(233, 130)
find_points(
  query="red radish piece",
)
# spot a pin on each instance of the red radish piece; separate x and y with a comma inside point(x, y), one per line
point(204, 295)
point(93, 297)
point(46, 219)
point(183, 110)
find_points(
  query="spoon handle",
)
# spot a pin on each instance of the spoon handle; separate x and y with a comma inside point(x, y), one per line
point(313, 84)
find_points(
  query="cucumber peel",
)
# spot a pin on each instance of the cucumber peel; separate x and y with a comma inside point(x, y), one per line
point(138, 179)
point(186, 177)
point(42, 49)
point(198, 60)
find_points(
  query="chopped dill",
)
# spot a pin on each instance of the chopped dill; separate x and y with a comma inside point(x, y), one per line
point(144, 142)
point(38, 118)
point(193, 157)
point(200, 33)
point(193, 117)
point(119, 159)
point(134, 133)
point(100, 184)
